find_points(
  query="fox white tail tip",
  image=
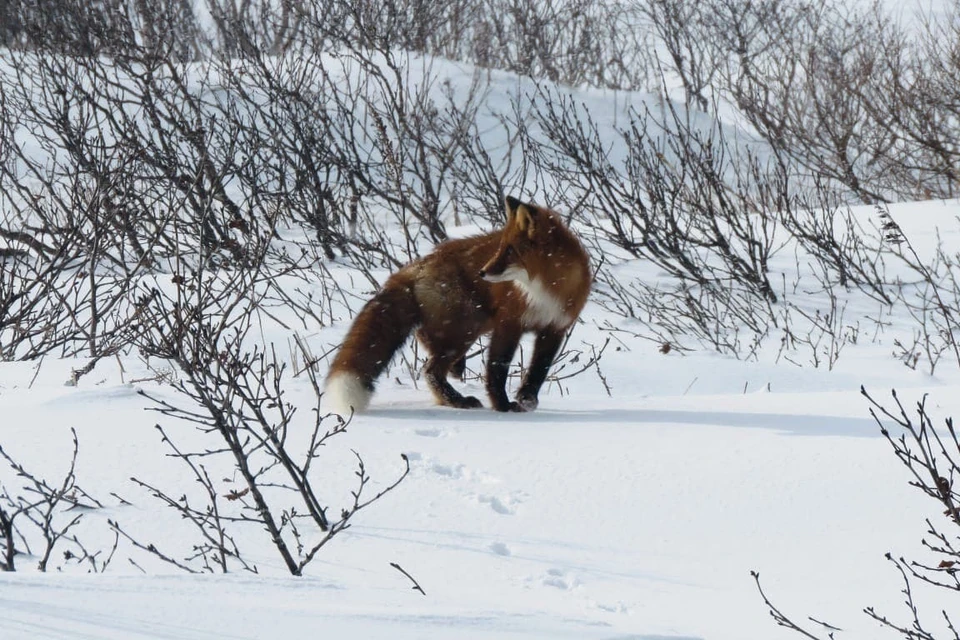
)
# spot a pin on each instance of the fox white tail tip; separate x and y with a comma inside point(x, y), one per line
point(346, 391)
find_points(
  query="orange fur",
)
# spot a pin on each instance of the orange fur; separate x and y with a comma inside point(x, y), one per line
point(531, 276)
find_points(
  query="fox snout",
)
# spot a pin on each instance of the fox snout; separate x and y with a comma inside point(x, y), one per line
point(512, 272)
point(488, 276)
point(499, 267)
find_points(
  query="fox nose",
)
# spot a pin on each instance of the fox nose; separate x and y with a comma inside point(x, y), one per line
point(482, 273)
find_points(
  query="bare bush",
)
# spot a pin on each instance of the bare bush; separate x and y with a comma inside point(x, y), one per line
point(847, 253)
point(913, 99)
point(935, 302)
point(51, 513)
point(243, 28)
point(680, 26)
point(146, 162)
point(317, 126)
point(797, 71)
point(847, 93)
point(683, 196)
point(931, 454)
point(573, 42)
point(115, 193)
point(232, 389)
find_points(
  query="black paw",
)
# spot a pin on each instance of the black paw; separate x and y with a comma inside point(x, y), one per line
point(527, 402)
point(512, 407)
point(470, 402)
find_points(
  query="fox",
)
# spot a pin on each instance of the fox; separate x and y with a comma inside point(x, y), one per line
point(531, 276)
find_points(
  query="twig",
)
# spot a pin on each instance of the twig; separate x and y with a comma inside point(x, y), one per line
point(416, 585)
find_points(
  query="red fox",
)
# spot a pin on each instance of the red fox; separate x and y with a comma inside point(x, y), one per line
point(531, 276)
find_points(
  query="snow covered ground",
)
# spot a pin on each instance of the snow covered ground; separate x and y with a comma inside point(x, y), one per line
point(633, 516)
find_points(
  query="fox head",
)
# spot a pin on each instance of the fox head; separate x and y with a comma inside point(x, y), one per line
point(527, 227)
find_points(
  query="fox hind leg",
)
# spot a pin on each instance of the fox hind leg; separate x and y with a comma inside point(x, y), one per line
point(441, 362)
point(459, 368)
point(437, 369)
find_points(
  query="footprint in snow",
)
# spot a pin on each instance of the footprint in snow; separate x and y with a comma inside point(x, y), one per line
point(454, 471)
point(428, 433)
point(507, 508)
point(559, 579)
point(431, 466)
point(500, 549)
point(619, 607)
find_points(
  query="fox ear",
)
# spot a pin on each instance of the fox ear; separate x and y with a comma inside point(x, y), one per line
point(526, 221)
point(511, 205)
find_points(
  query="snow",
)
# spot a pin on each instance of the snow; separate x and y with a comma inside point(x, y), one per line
point(636, 515)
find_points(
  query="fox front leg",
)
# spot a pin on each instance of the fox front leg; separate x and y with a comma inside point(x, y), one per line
point(503, 344)
point(545, 349)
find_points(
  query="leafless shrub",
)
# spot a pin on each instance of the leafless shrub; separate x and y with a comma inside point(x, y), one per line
point(935, 302)
point(912, 97)
point(53, 511)
point(232, 389)
point(930, 336)
point(127, 177)
point(440, 27)
point(796, 71)
point(571, 42)
point(574, 361)
point(844, 251)
point(171, 28)
point(317, 126)
point(845, 92)
point(680, 26)
point(149, 163)
point(242, 27)
point(821, 335)
point(216, 550)
point(787, 622)
point(684, 197)
point(931, 454)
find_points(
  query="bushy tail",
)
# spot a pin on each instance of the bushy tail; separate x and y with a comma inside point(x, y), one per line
point(380, 329)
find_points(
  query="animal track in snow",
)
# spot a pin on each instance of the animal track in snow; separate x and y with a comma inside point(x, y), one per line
point(559, 579)
point(503, 505)
point(428, 433)
point(619, 607)
point(500, 549)
point(454, 471)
